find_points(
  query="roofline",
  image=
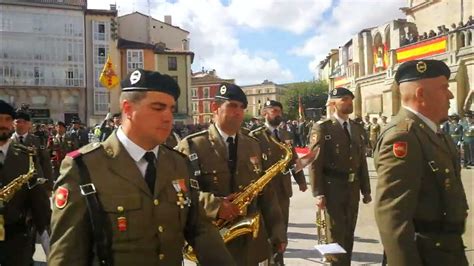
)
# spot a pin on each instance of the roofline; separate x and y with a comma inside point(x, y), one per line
point(155, 20)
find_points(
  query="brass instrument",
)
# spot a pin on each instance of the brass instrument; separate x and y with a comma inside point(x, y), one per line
point(321, 226)
point(8, 191)
point(230, 230)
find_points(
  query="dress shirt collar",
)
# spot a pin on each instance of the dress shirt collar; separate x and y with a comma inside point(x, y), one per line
point(135, 151)
point(224, 135)
point(17, 136)
point(341, 121)
point(425, 119)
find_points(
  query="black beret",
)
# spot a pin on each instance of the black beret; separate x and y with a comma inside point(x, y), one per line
point(117, 115)
point(421, 69)
point(144, 80)
point(60, 123)
point(339, 93)
point(272, 103)
point(21, 114)
point(75, 120)
point(7, 109)
point(229, 91)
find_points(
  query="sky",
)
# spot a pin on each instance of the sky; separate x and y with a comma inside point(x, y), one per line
point(255, 40)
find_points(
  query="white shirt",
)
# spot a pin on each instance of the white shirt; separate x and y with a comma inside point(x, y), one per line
point(341, 121)
point(135, 151)
point(17, 136)
point(425, 119)
point(225, 136)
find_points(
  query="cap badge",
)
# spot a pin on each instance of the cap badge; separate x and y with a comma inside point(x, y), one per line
point(135, 77)
point(223, 89)
point(334, 92)
point(421, 67)
point(268, 103)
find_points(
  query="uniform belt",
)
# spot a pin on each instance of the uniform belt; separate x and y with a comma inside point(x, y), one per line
point(339, 174)
point(439, 227)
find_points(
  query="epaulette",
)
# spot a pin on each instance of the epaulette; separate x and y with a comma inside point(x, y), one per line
point(200, 133)
point(173, 150)
point(84, 150)
point(320, 122)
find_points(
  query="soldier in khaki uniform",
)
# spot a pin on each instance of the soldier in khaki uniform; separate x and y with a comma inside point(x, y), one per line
point(23, 136)
point(28, 207)
point(374, 132)
point(60, 145)
point(148, 205)
point(420, 203)
point(339, 174)
point(272, 112)
point(226, 162)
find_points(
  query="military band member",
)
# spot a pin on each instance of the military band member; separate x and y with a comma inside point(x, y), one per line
point(59, 145)
point(420, 203)
point(78, 133)
point(281, 183)
point(228, 161)
point(148, 206)
point(29, 205)
point(339, 174)
point(23, 136)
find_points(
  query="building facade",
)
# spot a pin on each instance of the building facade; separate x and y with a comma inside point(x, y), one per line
point(42, 60)
point(204, 86)
point(258, 94)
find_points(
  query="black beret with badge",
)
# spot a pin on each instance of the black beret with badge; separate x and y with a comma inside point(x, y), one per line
point(231, 92)
point(272, 103)
point(339, 93)
point(7, 109)
point(145, 80)
point(421, 69)
point(22, 114)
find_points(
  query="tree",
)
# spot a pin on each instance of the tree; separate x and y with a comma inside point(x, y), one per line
point(313, 95)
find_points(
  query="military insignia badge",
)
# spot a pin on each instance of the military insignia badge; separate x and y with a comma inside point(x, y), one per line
point(135, 77)
point(400, 149)
point(421, 67)
point(223, 89)
point(254, 160)
point(181, 189)
point(60, 197)
point(122, 224)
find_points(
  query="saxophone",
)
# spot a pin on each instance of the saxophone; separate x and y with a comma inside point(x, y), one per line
point(8, 191)
point(230, 230)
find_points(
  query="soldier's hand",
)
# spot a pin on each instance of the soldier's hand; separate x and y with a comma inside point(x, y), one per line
point(367, 198)
point(321, 202)
point(228, 211)
point(303, 187)
point(281, 247)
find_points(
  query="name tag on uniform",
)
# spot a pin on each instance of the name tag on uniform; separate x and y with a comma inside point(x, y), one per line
point(351, 177)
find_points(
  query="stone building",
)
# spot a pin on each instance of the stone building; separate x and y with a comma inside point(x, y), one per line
point(257, 94)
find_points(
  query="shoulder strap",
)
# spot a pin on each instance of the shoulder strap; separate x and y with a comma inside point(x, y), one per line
point(193, 159)
point(96, 214)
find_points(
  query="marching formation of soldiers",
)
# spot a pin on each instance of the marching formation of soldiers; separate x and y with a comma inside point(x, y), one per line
point(141, 194)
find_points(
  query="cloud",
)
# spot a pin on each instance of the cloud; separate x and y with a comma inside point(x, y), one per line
point(212, 28)
point(347, 19)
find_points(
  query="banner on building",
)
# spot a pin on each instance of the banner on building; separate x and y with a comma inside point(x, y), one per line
point(422, 50)
point(341, 81)
point(108, 78)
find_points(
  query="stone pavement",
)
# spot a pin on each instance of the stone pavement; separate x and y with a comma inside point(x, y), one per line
point(367, 247)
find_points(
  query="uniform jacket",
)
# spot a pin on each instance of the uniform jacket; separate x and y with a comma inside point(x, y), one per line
point(374, 131)
point(156, 226)
point(28, 206)
point(59, 148)
point(44, 158)
point(272, 154)
point(338, 157)
point(215, 181)
point(408, 190)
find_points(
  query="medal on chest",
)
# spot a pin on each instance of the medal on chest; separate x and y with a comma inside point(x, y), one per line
point(255, 163)
point(181, 189)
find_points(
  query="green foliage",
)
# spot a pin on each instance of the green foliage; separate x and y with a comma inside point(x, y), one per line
point(313, 95)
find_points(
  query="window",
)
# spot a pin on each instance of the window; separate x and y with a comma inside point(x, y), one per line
point(101, 55)
point(195, 107)
point(207, 107)
point(206, 92)
point(101, 102)
point(134, 59)
point(172, 63)
point(194, 92)
point(69, 78)
point(99, 28)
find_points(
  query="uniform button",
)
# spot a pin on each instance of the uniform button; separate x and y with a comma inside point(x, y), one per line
point(156, 202)
point(350, 169)
point(241, 187)
point(446, 170)
point(160, 229)
point(119, 208)
point(350, 158)
point(162, 256)
point(438, 244)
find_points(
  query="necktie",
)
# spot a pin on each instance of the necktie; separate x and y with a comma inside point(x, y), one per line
point(275, 134)
point(150, 173)
point(346, 130)
point(2, 158)
point(232, 163)
point(21, 140)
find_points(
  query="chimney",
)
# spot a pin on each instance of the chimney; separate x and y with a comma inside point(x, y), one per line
point(185, 45)
point(168, 19)
point(113, 7)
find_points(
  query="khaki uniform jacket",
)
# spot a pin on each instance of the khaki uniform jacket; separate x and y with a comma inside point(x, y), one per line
point(26, 203)
point(272, 154)
point(44, 159)
point(338, 157)
point(155, 228)
point(215, 181)
point(408, 190)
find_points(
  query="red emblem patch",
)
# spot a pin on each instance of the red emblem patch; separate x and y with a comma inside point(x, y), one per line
point(60, 197)
point(400, 149)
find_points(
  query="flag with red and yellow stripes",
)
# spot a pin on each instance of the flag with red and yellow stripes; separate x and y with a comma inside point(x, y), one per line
point(422, 49)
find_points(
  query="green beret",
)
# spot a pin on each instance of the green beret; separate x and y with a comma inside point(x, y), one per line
point(230, 92)
point(272, 103)
point(421, 69)
point(339, 93)
point(7, 109)
point(144, 80)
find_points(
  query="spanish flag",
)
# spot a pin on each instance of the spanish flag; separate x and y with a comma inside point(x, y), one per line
point(108, 78)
